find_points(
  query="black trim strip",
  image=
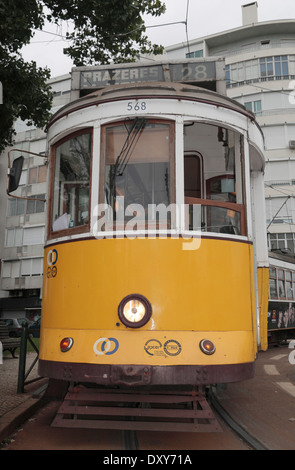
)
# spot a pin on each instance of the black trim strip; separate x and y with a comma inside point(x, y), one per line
point(91, 237)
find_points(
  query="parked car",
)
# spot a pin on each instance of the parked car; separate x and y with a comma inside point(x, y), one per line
point(15, 325)
point(34, 329)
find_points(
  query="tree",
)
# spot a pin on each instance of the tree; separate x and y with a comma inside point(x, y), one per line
point(25, 92)
point(106, 30)
point(103, 31)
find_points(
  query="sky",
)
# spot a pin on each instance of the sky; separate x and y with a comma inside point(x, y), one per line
point(204, 17)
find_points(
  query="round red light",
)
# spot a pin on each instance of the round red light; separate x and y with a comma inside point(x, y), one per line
point(207, 347)
point(66, 344)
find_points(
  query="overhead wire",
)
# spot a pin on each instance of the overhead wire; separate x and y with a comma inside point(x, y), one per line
point(185, 22)
point(186, 27)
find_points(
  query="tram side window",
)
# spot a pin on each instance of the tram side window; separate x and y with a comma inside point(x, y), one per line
point(217, 185)
point(272, 284)
point(137, 173)
point(281, 284)
point(192, 175)
point(70, 206)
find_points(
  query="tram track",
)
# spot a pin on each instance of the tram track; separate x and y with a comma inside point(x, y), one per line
point(251, 441)
point(131, 440)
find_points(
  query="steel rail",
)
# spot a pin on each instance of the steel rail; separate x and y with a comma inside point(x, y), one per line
point(254, 443)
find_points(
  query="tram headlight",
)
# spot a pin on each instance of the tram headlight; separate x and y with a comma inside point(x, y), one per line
point(66, 344)
point(134, 311)
point(207, 347)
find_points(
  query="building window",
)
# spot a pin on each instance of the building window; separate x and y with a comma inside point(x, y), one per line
point(191, 55)
point(255, 70)
point(10, 269)
point(22, 268)
point(254, 106)
point(13, 237)
point(38, 174)
point(16, 207)
point(282, 241)
point(34, 235)
point(227, 74)
point(35, 204)
point(31, 267)
point(274, 66)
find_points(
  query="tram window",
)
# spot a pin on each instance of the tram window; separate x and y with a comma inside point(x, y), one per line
point(192, 175)
point(222, 188)
point(273, 289)
point(288, 283)
point(220, 193)
point(273, 283)
point(281, 289)
point(272, 273)
point(70, 206)
point(137, 172)
point(281, 274)
point(289, 290)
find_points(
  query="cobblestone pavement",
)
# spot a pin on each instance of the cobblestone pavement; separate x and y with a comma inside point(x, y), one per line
point(9, 398)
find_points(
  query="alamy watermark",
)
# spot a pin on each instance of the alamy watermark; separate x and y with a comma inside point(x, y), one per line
point(1, 93)
point(153, 221)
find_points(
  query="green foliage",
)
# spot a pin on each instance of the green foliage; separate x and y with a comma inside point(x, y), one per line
point(26, 95)
point(104, 31)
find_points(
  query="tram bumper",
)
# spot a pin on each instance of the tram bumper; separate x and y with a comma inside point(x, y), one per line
point(137, 375)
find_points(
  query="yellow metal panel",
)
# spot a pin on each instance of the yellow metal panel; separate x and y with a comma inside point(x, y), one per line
point(145, 347)
point(187, 289)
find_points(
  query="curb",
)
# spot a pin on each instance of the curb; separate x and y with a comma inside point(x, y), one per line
point(50, 390)
point(14, 418)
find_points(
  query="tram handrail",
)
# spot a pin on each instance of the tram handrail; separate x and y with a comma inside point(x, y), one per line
point(240, 208)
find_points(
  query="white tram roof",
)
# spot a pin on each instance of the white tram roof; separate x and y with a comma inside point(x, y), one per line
point(168, 91)
point(280, 259)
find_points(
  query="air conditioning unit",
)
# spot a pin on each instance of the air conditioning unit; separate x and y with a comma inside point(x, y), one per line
point(292, 144)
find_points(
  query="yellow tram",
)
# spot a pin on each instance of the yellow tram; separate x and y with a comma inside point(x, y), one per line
point(155, 266)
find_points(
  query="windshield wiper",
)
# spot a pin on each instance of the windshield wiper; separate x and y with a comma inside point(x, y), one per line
point(122, 159)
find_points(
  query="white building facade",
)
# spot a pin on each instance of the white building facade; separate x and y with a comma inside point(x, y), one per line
point(260, 73)
point(22, 231)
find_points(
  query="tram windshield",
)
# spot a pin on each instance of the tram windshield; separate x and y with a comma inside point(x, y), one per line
point(138, 184)
point(137, 172)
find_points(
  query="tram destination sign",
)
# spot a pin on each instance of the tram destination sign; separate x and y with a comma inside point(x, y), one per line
point(191, 71)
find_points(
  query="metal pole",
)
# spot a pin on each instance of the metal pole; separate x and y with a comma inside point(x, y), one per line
point(22, 360)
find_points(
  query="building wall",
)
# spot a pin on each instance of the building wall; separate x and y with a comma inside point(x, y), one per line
point(260, 72)
point(22, 232)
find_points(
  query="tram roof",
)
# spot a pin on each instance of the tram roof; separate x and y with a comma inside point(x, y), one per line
point(152, 90)
point(281, 256)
